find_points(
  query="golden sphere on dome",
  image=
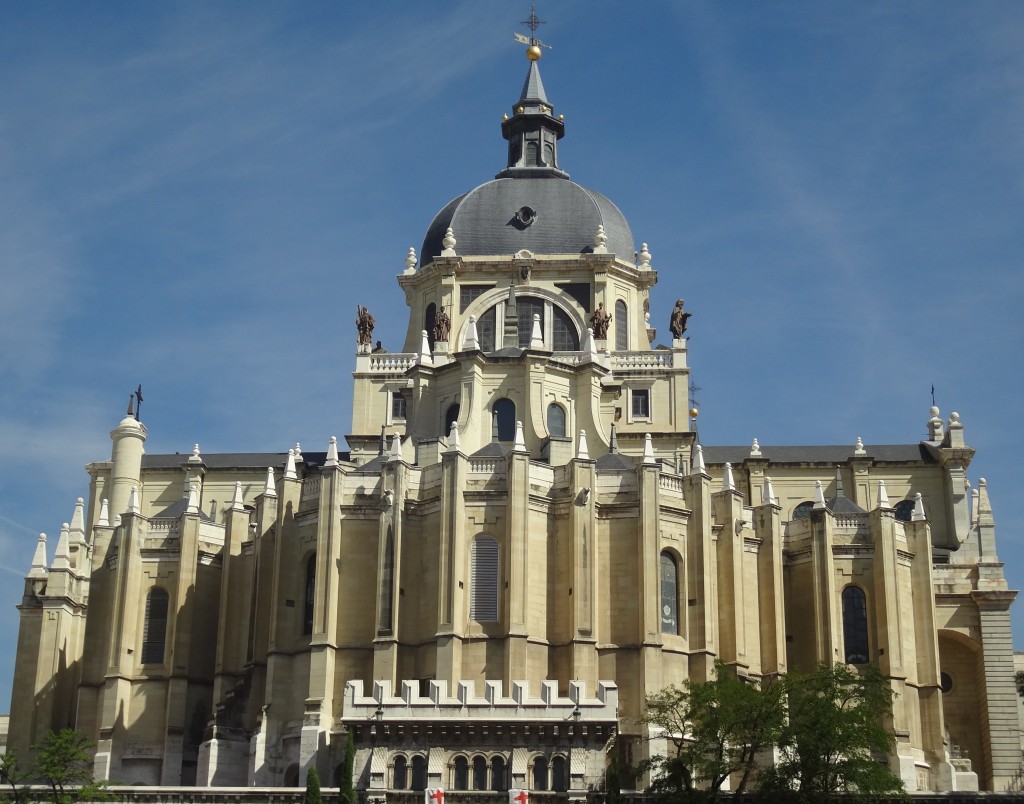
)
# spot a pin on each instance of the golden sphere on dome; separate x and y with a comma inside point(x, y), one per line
point(694, 413)
point(533, 53)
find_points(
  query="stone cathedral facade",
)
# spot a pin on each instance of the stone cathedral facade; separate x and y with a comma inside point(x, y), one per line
point(525, 538)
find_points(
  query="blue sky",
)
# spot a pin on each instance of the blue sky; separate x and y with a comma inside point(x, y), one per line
point(195, 196)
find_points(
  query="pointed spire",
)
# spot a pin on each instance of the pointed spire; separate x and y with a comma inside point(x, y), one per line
point(453, 438)
point(697, 460)
point(819, 496)
point(975, 499)
point(645, 256)
point(104, 518)
point(883, 495)
point(133, 501)
point(449, 243)
point(533, 87)
point(728, 484)
point(38, 569)
point(193, 499)
point(755, 449)
point(511, 332)
point(410, 261)
point(918, 515)
point(581, 447)
point(600, 240)
point(396, 448)
point(237, 500)
point(494, 427)
point(425, 359)
point(519, 445)
point(589, 344)
point(332, 452)
point(60, 555)
point(613, 447)
point(839, 483)
point(471, 339)
point(858, 448)
point(270, 487)
point(289, 467)
point(648, 458)
point(78, 522)
point(984, 504)
point(532, 122)
point(769, 492)
point(536, 338)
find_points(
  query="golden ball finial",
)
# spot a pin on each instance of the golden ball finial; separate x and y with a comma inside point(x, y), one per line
point(694, 413)
point(533, 53)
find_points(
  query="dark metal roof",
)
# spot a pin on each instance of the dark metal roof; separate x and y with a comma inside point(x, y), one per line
point(830, 454)
point(235, 460)
point(175, 510)
point(567, 216)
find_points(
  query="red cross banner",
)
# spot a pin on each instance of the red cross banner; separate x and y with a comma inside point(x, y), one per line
point(433, 795)
point(516, 796)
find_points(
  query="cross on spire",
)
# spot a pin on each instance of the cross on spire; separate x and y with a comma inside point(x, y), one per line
point(533, 22)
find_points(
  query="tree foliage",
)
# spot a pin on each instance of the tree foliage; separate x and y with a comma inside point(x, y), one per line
point(834, 739)
point(717, 729)
point(63, 762)
point(12, 776)
point(346, 787)
point(313, 787)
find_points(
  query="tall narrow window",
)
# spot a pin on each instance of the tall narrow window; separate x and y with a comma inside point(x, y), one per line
point(486, 327)
point(498, 773)
point(387, 582)
point(559, 780)
point(526, 307)
point(855, 625)
point(669, 594)
point(451, 415)
point(505, 417)
point(540, 773)
point(397, 406)
point(154, 634)
point(621, 326)
point(400, 775)
point(640, 403)
point(429, 319)
point(556, 420)
point(460, 774)
point(483, 605)
point(564, 337)
point(307, 610)
point(419, 773)
point(479, 773)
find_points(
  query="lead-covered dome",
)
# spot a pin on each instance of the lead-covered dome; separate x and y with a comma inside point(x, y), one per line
point(531, 204)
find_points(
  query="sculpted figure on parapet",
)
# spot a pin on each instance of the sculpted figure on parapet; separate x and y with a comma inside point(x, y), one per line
point(442, 326)
point(364, 325)
point(599, 322)
point(677, 324)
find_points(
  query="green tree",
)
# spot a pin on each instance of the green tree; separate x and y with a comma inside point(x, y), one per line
point(717, 728)
point(834, 736)
point(346, 787)
point(63, 762)
point(1018, 678)
point(313, 787)
point(12, 776)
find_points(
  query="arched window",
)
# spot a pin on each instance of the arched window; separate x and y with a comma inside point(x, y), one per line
point(564, 337)
point(540, 773)
point(556, 420)
point(498, 773)
point(291, 776)
point(400, 774)
point(483, 606)
point(419, 773)
point(803, 510)
point(621, 322)
point(486, 328)
point(451, 415)
point(307, 610)
point(460, 774)
point(429, 319)
point(479, 773)
point(669, 594)
point(855, 625)
point(559, 780)
point(387, 582)
point(504, 411)
point(154, 632)
point(904, 510)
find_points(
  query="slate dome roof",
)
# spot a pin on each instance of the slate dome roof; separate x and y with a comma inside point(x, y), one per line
point(546, 215)
point(531, 204)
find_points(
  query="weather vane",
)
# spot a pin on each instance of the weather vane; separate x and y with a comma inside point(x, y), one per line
point(533, 22)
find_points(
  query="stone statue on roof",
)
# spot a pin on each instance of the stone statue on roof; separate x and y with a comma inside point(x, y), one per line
point(677, 324)
point(599, 322)
point(365, 323)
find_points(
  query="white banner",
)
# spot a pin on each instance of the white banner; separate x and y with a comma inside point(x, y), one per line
point(433, 795)
point(517, 796)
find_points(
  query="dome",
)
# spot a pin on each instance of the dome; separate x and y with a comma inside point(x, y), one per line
point(546, 215)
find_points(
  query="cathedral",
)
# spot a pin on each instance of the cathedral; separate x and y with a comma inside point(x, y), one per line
point(524, 538)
